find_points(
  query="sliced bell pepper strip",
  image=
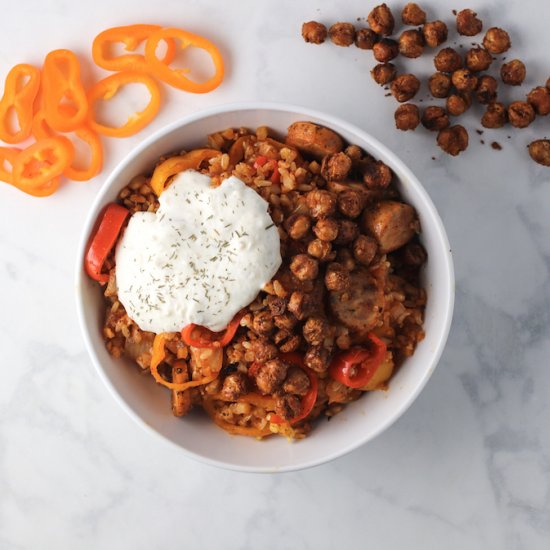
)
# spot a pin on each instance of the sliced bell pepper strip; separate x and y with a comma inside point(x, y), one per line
point(7, 156)
point(355, 367)
point(103, 239)
point(176, 77)
point(19, 97)
point(106, 89)
point(131, 36)
point(35, 167)
point(158, 355)
point(41, 129)
point(175, 165)
point(61, 84)
point(201, 337)
point(309, 399)
point(208, 406)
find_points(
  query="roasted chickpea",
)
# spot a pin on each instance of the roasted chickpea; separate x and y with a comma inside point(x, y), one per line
point(539, 98)
point(345, 257)
point(539, 151)
point(384, 73)
point(414, 254)
point(262, 322)
point(322, 250)
point(326, 229)
point(407, 117)
point(354, 152)
point(347, 232)
point(453, 140)
point(467, 23)
point(314, 32)
point(405, 87)
point(495, 116)
point(365, 39)
point(486, 90)
point(321, 203)
point(381, 20)
point(520, 114)
point(435, 33)
point(478, 59)
point(513, 73)
point(385, 50)
point(464, 81)
point(440, 84)
point(458, 104)
point(337, 277)
point(351, 203)
point(336, 167)
point(496, 40)
point(342, 34)
point(297, 226)
point(413, 14)
point(411, 43)
point(234, 385)
point(317, 358)
point(448, 60)
point(315, 330)
point(304, 267)
point(376, 174)
point(270, 375)
point(364, 249)
point(435, 118)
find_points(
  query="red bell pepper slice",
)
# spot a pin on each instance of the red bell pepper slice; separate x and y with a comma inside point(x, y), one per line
point(104, 238)
point(355, 368)
point(200, 337)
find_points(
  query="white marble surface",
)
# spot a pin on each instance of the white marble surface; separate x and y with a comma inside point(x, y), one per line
point(468, 466)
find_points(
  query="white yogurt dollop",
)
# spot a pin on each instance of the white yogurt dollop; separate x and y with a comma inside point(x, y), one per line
point(203, 256)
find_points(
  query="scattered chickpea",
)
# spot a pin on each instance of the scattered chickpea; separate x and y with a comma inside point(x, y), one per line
point(351, 203)
point(458, 104)
point(520, 114)
point(464, 81)
point(320, 249)
point(321, 203)
point(513, 73)
point(439, 84)
point(326, 229)
point(435, 33)
point(385, 50)
point(377, 174)
point(496, 40)
point(411, 43)
point(384, 73)
point(297, 226)
point(347, 232)
point(486, 90)
point(478, 59)
point(342, 34)
point(314, 32)
point(413, 14)
point(337, 277)
point(364, 249)
point(407, 117)
point(354, 152)
point(405, 87)
point(453, 140)
point(539, 98)
point(381, 20)
point(448, 60)
point(467, 23)
point(495, 116)
point(435, 118)
point(365, 39)
point(539, 151)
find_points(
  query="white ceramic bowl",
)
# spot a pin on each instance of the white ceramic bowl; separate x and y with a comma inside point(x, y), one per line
point(362, 420)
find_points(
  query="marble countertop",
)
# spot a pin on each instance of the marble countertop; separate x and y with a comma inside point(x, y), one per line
point(468, 466)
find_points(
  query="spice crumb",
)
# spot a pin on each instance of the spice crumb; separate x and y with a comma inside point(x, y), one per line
point(387, 95)
point(454, 12)
point(480, 132)
point(482, 141)
point(496, 146)
point(433, 158)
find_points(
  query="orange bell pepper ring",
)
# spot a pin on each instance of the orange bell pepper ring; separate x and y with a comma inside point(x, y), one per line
point(131, 36)
point(107, 88)
point(19, 96)
point(41, 130)
point(62, 86)
point(36, 170)
point(174, 165)
point(177, 77)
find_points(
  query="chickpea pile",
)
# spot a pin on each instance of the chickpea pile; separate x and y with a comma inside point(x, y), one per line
point(458, 80)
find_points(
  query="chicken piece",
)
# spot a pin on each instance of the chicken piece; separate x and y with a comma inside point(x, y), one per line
point(314, 139)
point(392, 223)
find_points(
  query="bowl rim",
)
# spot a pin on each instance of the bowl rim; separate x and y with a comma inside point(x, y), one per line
point(304, 112)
